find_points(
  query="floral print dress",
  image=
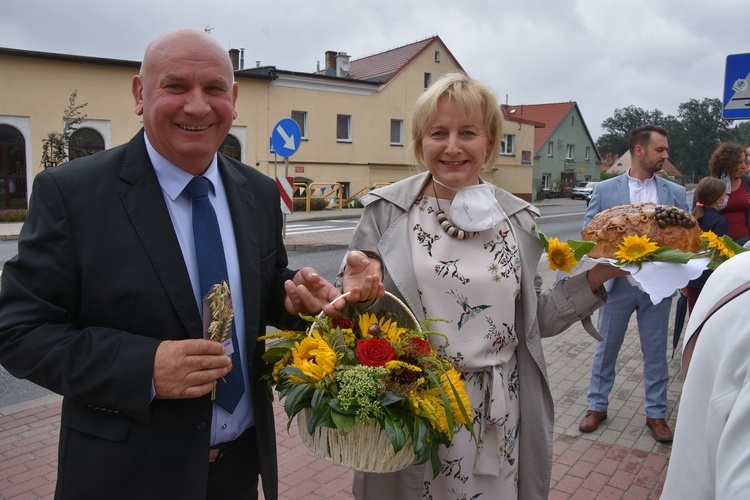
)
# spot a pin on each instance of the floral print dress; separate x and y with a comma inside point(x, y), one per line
point(473, 283)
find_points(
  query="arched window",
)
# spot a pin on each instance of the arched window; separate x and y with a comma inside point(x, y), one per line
point(231, 147)
point(12, 169)
point(84, 142)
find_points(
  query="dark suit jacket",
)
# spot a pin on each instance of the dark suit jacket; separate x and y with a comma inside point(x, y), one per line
point(98, 283)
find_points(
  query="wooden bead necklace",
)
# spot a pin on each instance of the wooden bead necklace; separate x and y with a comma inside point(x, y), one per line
point(450, 228)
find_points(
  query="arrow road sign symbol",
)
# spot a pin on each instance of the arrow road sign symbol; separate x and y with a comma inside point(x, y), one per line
point(288, 140)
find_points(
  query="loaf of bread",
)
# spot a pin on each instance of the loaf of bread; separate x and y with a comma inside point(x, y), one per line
point(665, 225)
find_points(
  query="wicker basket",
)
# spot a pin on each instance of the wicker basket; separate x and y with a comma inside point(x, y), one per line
point(366, 447)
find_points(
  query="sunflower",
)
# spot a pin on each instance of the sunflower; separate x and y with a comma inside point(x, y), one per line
point(560, 256)
point(314, 357)
point(635, 248)
point(711, 240)
point(372, 326)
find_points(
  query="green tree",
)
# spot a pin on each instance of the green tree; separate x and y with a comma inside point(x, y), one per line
point(617, 128)
point(703, 130)
point(56, 146)
point(741, 132)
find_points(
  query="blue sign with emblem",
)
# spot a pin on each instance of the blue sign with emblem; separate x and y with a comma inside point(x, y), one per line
point(286, 137)
point(737, 87)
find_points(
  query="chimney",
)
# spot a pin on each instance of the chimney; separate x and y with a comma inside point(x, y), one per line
point(342, 64)
point(242, 58)
point(331, 62)
point(234, 55)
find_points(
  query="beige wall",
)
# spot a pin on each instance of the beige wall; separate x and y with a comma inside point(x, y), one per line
point(37, 90)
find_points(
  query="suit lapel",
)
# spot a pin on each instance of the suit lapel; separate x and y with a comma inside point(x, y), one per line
point(144, 202)
point(662, 191)
point(623, 190)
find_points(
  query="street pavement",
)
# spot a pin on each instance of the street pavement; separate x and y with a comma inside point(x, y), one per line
point(618, 461)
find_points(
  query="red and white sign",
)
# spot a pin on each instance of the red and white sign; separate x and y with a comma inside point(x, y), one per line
point(286, 188)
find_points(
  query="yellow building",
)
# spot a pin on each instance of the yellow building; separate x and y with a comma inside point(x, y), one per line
point(354, 115)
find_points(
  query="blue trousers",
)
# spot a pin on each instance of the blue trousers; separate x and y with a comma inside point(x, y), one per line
point(653, 326)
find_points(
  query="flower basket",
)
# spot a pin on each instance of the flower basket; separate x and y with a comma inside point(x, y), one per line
point(367, 393)
point(365, 448)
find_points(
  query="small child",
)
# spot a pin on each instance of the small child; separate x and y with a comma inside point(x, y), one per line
point(711, 196)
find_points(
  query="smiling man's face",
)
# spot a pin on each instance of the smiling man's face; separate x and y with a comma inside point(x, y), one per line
point(186, 94)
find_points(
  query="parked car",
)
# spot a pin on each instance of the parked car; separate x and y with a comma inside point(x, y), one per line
point(582, 190)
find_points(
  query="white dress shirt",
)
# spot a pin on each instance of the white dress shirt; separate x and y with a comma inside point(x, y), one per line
point(172, 179)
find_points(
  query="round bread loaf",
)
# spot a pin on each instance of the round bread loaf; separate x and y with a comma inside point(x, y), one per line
point(665, 225)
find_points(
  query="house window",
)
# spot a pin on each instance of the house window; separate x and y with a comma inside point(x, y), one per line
point(427, 80)
point(525, 157)
point(344, 128)
point(545, 180)
point(301, 118)
point(550, 148)
point(508, 146)
point(85, 142)
point(569, 150)
point(231, 147)
point(397, 127)
point(437, 56)
point(588, 152)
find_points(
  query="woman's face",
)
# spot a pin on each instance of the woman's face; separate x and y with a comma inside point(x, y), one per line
point(737, 170)
point(455, 146)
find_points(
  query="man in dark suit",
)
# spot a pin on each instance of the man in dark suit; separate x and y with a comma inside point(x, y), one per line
point(102, 303)
point(649, 149)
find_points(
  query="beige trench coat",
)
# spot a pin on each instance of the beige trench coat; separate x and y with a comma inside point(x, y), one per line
point(383, 229)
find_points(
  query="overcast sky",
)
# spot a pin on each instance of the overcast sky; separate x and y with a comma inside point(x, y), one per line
point(603, 54)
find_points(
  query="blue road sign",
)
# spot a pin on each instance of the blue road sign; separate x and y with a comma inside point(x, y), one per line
point(286, 137)
point(737, 87)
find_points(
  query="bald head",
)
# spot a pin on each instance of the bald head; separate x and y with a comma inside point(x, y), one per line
point(186, 94)
point(170, 41)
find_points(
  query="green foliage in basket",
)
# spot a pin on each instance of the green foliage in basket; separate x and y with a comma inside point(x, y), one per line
point(349, 371)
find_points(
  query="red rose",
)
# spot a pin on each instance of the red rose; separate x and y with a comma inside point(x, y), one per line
point(375, 352)
point(419, 347)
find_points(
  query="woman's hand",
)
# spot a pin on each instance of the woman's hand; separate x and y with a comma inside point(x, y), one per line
point(597, 275)
point(363, 276)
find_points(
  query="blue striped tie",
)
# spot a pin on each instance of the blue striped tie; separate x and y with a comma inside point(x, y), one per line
point(212, 268)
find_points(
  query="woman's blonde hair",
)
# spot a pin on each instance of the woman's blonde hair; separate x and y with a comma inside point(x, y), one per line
point(472, 97)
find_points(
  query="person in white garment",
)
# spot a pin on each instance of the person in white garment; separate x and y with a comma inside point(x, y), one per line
point(711, 450)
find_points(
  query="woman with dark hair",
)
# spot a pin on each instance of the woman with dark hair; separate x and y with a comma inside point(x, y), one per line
point(711, 196)
point(728, 164)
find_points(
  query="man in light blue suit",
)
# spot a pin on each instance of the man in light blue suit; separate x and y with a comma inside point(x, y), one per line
point(649, 150)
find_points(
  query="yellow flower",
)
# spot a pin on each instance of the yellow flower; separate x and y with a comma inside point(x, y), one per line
point(389, 328)
point(314, 357)
point(560, 256)
point(713, 241)
point(348, 335)
point(634, 248)
point(391, 366)
point(452, 378)
point(429, 404)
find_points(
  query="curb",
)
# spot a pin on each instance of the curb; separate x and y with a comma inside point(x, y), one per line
point(30, 404)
